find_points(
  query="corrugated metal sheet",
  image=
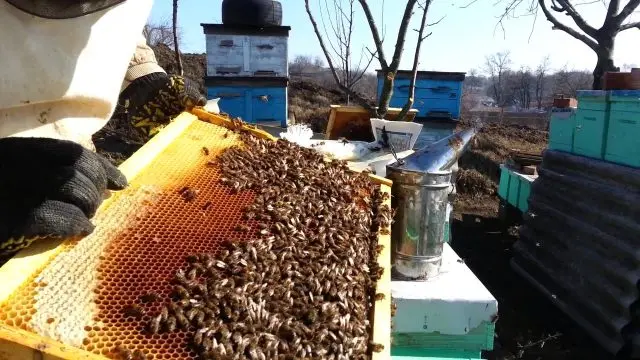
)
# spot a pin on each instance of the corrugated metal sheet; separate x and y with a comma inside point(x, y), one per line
point(579, 244)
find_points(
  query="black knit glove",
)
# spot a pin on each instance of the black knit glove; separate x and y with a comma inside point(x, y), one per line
point(151, 101)
point(49, 188)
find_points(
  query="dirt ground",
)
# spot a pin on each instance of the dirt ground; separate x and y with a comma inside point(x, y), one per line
point(529, 326)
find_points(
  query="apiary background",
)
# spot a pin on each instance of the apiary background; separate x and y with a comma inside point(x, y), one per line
point(64, 299)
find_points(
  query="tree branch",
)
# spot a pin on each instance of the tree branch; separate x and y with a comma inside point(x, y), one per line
point(416, 59)
point(339, 83)
point(560, 26)
point(375, 33)
point(566, 7)
point(402, 33)
point(631, 6)
point(628, 26)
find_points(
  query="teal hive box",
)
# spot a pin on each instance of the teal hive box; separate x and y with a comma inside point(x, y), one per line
point(623, 134)
point(514, 189)
point(525, 191)
point(597, 100)
point(562, 126)
point(592, 121)
point(503, 187)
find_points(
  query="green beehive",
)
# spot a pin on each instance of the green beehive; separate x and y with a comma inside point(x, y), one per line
point(514, 189)
point(561, 129)
point(592, 120)
point(623, 135)
point(503, 187)
point(525, 190)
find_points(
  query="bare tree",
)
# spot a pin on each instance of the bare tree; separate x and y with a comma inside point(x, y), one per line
point(568, 82)
point(496, 66)
point(305, 65)
point(523, 87)
point(601, 40)
point(160, 32)
point(338, 26)
point(389, 68)
point(541, 73)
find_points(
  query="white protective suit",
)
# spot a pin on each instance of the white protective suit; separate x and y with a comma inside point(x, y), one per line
point(62, 78)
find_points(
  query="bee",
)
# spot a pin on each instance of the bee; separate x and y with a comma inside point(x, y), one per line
point(191, 313)
point(192, 274)
point(241, 228)
point(385, 231)
point(179, 278)
point(150, 297)
point(171, 324)
point(205, 151)
point(133, 310)
point(379, 249)
point(198, 336)
point(154, 324)
point(206, 206)
point(164, 313)
point(123, 353)
point(182, 320)
point(139, 355)
point(394, 308)
point(379, 297)
point(189, 195)
point(377, 347)
point(192, 258)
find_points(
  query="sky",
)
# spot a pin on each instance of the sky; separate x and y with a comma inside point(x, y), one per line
point(461, 40)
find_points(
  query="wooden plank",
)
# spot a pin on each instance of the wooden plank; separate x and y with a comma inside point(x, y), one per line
point(332, 120)
point(18, 344)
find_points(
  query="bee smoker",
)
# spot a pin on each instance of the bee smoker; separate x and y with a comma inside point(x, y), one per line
point(419, 196)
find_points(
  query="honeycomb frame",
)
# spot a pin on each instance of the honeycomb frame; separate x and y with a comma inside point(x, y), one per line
point(24, 272)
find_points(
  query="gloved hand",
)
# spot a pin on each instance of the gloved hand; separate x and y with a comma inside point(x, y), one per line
point(152, 100)
point(49, 188)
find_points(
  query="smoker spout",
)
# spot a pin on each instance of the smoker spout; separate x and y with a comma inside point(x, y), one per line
point(438, 156)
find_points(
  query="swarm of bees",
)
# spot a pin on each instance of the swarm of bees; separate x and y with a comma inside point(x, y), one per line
point(304, 287)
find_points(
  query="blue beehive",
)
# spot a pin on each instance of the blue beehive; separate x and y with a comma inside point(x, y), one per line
point(247, 68)
point(437, 94)
point(623, 135)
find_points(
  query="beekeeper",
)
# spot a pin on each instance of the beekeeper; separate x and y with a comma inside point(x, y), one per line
point(61, 77)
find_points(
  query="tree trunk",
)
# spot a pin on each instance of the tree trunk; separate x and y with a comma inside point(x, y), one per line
point(387, 92)
point(605, 61)
point(176, 46)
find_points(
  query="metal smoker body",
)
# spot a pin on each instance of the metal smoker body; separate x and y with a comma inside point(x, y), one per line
point(419, 195)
